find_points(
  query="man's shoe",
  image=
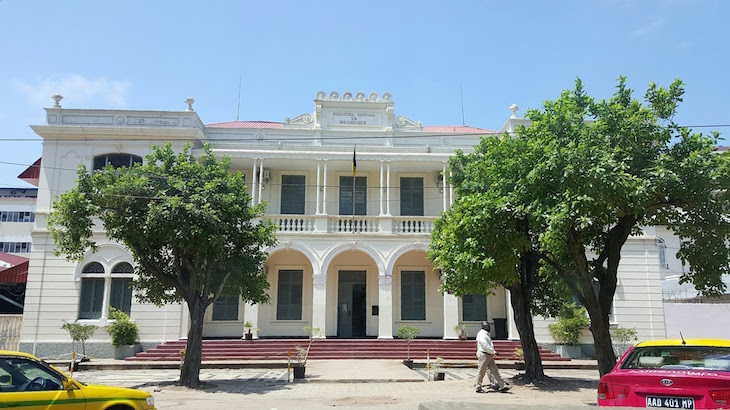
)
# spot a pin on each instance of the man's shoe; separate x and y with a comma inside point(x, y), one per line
point(495, 387)
point(505, 388)
point(480, 390)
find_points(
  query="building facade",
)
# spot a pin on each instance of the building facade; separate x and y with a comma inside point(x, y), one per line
point(354, 189)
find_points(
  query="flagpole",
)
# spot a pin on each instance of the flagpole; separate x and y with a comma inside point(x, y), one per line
point(354, 171)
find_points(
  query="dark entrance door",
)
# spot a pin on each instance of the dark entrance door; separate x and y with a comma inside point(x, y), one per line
point(351, 304)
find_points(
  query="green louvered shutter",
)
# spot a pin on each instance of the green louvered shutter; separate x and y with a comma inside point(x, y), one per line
point(411, 196)
point(293, 189)
point(413, 295)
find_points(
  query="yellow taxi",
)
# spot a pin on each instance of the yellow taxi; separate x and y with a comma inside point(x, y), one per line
point(27, 382)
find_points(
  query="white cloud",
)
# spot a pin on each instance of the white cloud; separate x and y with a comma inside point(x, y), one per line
point(652, 26)
point(76, 90)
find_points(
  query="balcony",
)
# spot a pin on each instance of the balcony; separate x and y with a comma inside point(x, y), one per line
point(394, 225)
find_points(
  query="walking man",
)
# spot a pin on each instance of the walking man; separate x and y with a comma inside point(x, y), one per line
point(485, 354)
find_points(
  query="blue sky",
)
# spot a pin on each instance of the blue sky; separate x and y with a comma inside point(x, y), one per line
point(151, 55)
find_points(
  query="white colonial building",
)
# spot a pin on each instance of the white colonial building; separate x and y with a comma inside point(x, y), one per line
point(351, 253)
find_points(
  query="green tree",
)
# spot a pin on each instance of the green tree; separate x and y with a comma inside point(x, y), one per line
point(187, 221)
point(600, 171)
point(483, 241)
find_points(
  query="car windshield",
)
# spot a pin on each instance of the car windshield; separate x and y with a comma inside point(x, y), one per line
point(679, 357)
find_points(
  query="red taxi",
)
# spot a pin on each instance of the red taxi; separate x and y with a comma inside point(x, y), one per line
point(670, 374)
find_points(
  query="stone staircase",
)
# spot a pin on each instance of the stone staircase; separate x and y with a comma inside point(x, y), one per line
point(278, 349)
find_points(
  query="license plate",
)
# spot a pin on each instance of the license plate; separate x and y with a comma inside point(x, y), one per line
point(670, 402)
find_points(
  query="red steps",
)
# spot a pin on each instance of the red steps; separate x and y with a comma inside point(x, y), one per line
point(278, 349)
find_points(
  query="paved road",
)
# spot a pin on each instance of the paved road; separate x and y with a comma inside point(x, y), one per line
point(269, 389)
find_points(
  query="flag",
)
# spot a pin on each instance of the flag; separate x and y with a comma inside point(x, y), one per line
point(354, 162)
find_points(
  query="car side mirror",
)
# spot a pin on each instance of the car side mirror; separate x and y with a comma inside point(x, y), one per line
point(68, 384)
point(6, 379)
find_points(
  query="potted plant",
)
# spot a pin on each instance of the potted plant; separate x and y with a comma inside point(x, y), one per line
point(568, 329)
point(461, 331)
point(123, 333)
point(519, 356)
point(248, 335)
point(623, 337)
point(408, 333)
point(303, 353)
point(436, 369)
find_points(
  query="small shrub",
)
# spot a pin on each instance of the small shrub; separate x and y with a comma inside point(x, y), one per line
point(302, 353)
point(408, 333)
point(122, 331)
point(571, 322)
point(79, 332)
point(623, 337)
point(519, 354)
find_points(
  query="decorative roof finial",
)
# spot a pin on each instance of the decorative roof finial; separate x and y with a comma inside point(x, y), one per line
point(57, 98)
point(514, 108)
point(190, 101)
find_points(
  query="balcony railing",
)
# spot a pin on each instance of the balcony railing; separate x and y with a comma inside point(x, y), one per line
point(396, 225)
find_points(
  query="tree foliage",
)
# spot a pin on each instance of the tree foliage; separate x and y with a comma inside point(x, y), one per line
point(187, 221)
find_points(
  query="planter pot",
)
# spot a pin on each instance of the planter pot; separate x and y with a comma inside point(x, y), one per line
point(408, 363)
point(572, 352)
point(520, 366)
point(299, 372)
point(122, 352)
point(440, 376)
point(249, 336)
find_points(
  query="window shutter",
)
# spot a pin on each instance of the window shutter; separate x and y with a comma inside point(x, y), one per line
point(474, 308)
point(413, 295)
point(226, 308)
point(92, 297)
point(411, 196)
point(347, 193)
point(121, 296)
point(293, 191)
point(289, 295)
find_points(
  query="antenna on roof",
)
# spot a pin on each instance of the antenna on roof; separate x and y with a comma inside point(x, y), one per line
point(239, 98)
point(462, 105)
point(683, 342)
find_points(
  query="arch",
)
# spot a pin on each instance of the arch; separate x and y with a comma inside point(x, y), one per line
point(93, 267)
point(123, 267)
point(313, 259)
point(107, 255)
point(375, 255)
point(393, 257)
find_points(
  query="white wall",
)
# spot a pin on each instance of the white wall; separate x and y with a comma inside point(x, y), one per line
point(697, 320)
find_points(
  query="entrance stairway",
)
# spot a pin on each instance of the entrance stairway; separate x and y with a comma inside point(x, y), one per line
point(278, 349)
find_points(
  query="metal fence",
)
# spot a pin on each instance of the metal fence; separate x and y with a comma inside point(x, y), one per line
point(691, 296)
point(10, 327)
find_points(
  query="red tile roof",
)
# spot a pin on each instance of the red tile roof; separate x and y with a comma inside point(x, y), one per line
point(32, 174)
point(247, 124)
point(279, 125)
point(456, 129)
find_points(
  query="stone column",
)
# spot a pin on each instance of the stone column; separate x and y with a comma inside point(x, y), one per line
point(319, 170)
point(251, 314)
point(387, 183)
point(511, 329)
point(385, 303)
point(261, 178)
point(443, 185)
point(184, 321)
point(382, 188)
point(253, 182)
point(319, 302)
point(451, 191)
point(324, 191)
point(451, 316)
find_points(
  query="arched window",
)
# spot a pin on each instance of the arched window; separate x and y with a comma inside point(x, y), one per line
point(101, 288)
point(116, 160)
point(121, 296)
point(662, 250)
point(91, 300)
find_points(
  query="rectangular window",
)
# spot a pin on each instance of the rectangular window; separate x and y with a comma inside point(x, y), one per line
point(121, 297)
point(358, 191)
point(92, 297)
point(289, 295)
point(226, 308)
point(411, 196)
point(474, 308)
point(293, 189)
point(413, 295)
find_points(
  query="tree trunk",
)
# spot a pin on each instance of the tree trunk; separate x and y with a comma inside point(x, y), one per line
point(602, 342)
point(190, 373)
point(520, 300)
